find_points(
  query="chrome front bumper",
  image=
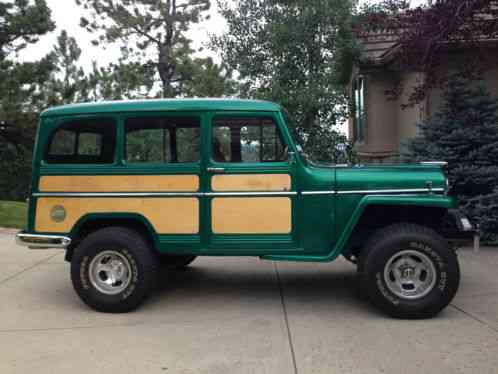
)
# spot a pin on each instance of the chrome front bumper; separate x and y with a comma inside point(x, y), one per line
point(38, 241)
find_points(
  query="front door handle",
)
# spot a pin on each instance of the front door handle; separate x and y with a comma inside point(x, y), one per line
point(216, 170)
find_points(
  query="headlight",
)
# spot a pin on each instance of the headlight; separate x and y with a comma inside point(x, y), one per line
point(447, 186)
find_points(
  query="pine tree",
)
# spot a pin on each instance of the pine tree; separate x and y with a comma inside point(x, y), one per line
point(464, 132)
point(22, 23)
point(67, 80)
point(153, 32)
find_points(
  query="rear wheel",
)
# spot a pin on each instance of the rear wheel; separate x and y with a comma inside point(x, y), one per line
point(176, 261)
point(113, 270)
point(409, 271)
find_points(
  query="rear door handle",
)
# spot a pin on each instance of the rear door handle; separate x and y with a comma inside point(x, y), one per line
point(216, 170)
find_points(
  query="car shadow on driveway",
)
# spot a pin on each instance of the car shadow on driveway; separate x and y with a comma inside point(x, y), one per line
point(325, 287)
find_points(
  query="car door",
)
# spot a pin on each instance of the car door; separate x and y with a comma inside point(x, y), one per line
point(162, 156)
point(251, 194)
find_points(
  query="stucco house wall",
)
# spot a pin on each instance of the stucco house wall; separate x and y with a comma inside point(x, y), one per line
point(386, 123)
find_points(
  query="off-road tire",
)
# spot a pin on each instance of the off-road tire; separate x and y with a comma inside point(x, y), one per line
point(176, 261)
point(135, 249)
point(383, 245)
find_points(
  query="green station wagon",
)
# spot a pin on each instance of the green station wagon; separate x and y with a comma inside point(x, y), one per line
point(125, 187)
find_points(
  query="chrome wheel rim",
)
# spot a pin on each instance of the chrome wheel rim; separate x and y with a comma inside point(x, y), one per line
point(110, 272)
point(410, 274)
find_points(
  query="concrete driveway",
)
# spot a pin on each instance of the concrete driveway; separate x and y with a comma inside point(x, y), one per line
point(240, 315)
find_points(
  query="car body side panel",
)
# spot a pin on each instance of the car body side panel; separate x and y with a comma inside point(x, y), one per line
point(316, 211)
point(154, 209)
point(119, 183)
point(133, 185)
point(343, 236)
point(356, 183)
point(250, 207)
point(326, 204)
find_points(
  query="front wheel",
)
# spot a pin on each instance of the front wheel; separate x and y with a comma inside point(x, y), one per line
point(409, 271)
point(113, 270)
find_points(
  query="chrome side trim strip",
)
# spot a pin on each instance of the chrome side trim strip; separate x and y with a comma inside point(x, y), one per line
point(373, 192)
point(237, 193)
point(406, 190)
point(38, 241)
point(162, 194)
point(434, 163)
point(318, 192)
point(262, 193)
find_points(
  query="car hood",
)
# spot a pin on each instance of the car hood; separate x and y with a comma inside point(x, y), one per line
point(400, 178)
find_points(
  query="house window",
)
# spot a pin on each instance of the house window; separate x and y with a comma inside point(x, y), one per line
point(359, 108)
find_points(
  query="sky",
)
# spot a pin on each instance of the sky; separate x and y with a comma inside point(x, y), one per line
point(66, 15)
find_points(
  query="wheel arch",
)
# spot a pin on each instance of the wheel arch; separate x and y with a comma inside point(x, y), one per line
point(95, 221)
point(375, 212)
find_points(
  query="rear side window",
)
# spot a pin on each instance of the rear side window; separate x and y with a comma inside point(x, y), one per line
point(163, 140)
point(83, 142)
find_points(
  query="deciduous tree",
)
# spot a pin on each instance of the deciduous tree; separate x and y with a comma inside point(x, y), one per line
point(289, 52)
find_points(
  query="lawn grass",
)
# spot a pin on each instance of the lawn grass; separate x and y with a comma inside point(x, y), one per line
point(13, 214)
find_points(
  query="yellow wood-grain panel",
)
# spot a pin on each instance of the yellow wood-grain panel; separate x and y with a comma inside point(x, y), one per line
point(119, 183)
point(251, 182)
point(166, 215)
point(251, 215)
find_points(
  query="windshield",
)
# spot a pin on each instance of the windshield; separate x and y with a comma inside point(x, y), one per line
point(296, 134)
point(320, 145)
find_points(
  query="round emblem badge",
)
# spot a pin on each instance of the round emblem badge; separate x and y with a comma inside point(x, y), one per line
point(58, 213)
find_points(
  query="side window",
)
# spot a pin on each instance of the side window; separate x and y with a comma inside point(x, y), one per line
point(162, 140)
point(63, 143)
point(90, 144)
point(247, 140)
point(83, 142)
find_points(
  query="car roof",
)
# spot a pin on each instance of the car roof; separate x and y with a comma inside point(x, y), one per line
point(162, 105)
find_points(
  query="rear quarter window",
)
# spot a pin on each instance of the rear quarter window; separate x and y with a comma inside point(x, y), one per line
point(82, 142)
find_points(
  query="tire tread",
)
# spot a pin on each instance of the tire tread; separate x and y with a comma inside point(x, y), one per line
point(141, 251)
point(383, 238)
